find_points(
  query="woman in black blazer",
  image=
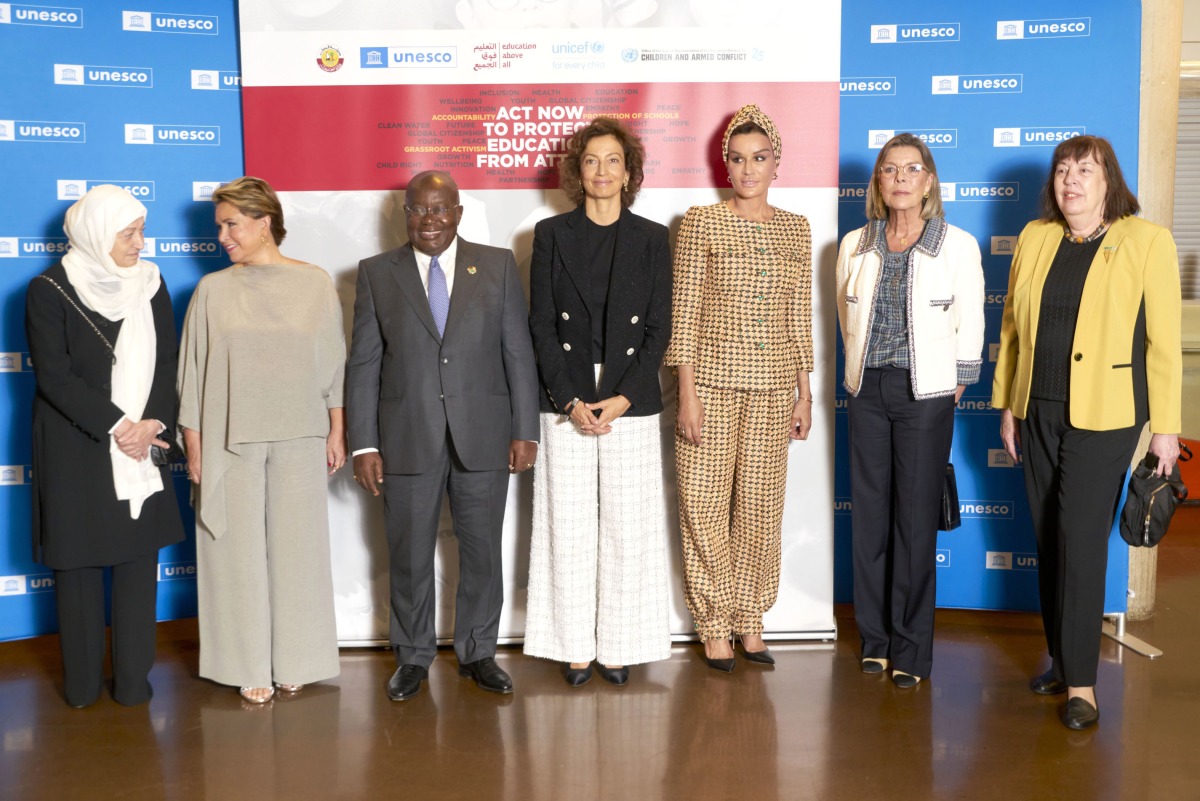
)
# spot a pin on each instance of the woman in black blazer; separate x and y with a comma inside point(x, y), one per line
point(102, 339)
point(600, 297)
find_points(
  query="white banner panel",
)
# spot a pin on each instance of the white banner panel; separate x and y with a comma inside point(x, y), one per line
point(339, 119)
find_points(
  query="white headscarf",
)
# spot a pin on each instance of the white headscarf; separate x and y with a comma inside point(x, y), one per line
point(118, 293)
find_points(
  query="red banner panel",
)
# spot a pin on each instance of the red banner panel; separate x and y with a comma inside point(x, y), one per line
point(307, 138)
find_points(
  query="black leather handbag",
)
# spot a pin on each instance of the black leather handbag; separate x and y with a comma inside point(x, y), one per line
point(948, 517)
point(1151, 502)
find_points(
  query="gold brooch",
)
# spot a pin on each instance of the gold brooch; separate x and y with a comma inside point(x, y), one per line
point(1108, 252)
point(471, 269)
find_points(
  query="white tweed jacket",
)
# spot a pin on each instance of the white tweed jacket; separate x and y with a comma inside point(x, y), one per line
point(945, 304)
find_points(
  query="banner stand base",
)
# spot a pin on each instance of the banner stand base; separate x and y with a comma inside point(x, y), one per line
point(1116, 630)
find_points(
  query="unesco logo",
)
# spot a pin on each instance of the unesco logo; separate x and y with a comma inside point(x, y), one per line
point(216, 80)
point(1010, 560)
point(995, 299)
point(15, 475)
point(842, 506)
point(47, 16)
point(998, 457)
point(941, 557)
point(969, 406)
point(427, 56)
point(15, 362)
point(202, 191)
point(155, 134)
point(176, 247)
point(932, 137)
point(154, 22)
point(986, 510)
point(978, 84)
point(981, 190)
point(26, 585)
point(1003, 245)
point(852, 193)
point(1043, 28)
point(13, 247)
point(74, 188)
point(87, 75)
point(42, 131)
point(867, 87)
point(1035, 137)
point(175, 571)
point(908, 33)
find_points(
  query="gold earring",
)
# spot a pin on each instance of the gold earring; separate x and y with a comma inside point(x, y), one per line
point(262, 239)
point(625, 185)
point(926, 196)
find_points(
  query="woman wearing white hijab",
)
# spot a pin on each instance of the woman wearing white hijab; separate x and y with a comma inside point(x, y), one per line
point(102, 340)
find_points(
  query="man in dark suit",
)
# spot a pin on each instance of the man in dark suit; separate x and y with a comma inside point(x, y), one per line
point(441, 396)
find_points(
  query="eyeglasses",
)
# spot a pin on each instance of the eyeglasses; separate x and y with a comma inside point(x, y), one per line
point(912, 170)
point(421, 211)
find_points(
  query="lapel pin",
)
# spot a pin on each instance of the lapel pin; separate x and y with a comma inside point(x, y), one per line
point(1108, 252)
point(471, 269)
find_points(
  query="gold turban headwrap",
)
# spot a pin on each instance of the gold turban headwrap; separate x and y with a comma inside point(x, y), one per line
point(754, 114)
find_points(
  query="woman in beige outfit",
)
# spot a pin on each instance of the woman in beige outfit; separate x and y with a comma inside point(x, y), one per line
point(260, 387)
point(741, 343)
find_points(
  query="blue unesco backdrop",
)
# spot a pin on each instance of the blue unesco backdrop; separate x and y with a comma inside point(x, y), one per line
point(983, 85)
point(150, 100)
point(104, 93)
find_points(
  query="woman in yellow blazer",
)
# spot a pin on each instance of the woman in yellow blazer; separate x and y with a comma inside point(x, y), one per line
point(1089, 351)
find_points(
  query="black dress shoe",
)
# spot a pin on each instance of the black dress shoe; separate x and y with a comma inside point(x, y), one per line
point(1046, 684)
point(904, 680)
point(577, 677)
point(1078, 714)
point(406, 682)
point(873, 664)
point(723, 665)
point(617, 676)
point(487, 674)
point(762, 657)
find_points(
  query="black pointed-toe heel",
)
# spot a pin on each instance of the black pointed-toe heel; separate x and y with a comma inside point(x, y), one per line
point(763, 657)
point(577, 677)
point(615, 676)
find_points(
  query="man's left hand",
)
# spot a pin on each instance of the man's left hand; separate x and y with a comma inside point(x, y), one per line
point(521, 455)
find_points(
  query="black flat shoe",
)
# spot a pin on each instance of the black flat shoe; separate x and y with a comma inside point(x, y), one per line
point(904, 680)
point(1046, 684)
point(617, 676)
point(874, 664)
point(762, 657)
point(1078, 714)
point(406, 682)
point(577, 677)
point(487, 675)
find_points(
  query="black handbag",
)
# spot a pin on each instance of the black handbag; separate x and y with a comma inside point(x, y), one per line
point(1151, 502)
point(160, 456)
point(949, 518)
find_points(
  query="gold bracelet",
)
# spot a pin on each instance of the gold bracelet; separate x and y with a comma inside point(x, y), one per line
point(810, 400)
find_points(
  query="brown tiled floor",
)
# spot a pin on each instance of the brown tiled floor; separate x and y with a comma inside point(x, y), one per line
point(813, 728)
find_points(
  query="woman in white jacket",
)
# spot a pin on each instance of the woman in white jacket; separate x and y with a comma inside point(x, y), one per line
point(910, 304)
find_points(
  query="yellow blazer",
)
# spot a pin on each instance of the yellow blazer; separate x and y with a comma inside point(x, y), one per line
point(1136, 261)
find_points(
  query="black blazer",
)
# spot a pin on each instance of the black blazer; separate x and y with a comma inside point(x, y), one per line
point(638, 325)
point(77, 519)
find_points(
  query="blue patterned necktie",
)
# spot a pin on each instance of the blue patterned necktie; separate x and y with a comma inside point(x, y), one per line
point(439, 297)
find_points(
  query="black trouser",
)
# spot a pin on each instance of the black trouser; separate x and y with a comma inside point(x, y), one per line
point(1073, 479)
point(899, 447)
point(80, 596)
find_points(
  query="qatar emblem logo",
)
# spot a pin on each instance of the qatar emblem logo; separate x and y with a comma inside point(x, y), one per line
point(330, 59)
